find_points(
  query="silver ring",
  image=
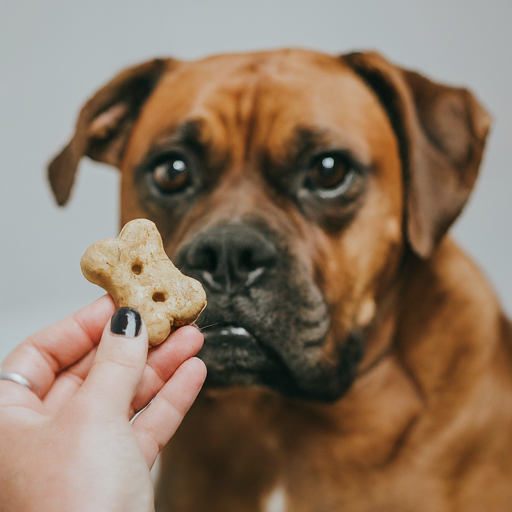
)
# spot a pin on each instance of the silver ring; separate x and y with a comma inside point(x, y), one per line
point(14, 377)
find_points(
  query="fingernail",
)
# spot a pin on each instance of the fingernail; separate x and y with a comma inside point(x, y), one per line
point(126, 322)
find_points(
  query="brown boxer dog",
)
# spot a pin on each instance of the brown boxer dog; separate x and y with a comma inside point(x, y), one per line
point(357, 359)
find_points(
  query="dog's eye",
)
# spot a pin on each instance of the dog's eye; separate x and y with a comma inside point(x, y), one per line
point(171, 174)
point(330, 176)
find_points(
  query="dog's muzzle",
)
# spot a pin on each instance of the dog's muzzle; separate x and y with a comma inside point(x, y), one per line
point(266, 322)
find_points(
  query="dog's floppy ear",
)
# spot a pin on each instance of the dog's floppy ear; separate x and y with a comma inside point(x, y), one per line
point(441, 133)
point(104, 124)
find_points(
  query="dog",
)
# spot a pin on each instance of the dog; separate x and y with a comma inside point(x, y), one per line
point(357, 359)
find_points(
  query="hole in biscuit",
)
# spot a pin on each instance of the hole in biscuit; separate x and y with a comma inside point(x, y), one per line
point(158, 297)
point(137, 268)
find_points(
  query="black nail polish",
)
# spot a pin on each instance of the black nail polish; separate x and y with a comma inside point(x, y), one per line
point(126, 322)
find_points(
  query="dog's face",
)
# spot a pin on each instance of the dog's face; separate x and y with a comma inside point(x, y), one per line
point(277, 180)
point(287, 207)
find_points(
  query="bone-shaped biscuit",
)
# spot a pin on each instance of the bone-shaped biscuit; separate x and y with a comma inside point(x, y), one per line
point(137, 273)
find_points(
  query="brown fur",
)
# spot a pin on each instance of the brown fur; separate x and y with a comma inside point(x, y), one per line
point(426, 424)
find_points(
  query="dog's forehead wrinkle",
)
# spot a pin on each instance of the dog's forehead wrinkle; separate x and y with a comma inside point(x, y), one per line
point(241, 114)
point(244, 105)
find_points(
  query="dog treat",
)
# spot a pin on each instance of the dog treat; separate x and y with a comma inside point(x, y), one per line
point(137, 273)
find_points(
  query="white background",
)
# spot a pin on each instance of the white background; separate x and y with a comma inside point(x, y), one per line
point(56, 53)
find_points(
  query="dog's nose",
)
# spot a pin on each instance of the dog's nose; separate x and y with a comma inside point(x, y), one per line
point(230, 258)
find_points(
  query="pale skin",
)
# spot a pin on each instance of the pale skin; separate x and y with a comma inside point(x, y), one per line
point(68, 444)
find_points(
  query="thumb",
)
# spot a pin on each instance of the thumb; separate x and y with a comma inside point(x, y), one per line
point(119, 362)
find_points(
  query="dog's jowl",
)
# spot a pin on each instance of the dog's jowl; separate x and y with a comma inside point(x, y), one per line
point(357, 359)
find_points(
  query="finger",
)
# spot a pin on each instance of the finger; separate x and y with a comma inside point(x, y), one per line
point(163, 361)
point(157, 424)
point(44, 354)
point(68, 382)
point(119, 363)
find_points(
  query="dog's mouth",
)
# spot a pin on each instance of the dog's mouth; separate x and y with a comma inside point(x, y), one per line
point(228, 333)
point(234, 356)
point(231, 343)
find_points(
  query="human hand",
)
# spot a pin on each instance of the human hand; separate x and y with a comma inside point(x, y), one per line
point(67, 444)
